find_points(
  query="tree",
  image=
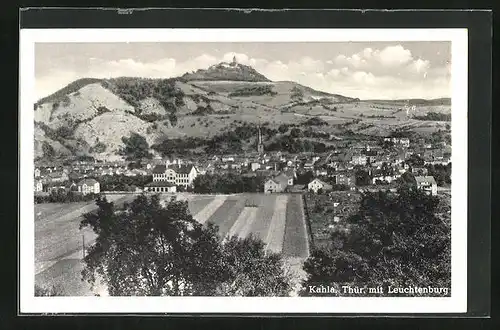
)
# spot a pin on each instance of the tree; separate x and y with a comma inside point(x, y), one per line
point(295, 133)
point(136, 147)
point(48, 150)
point(305, 178)
point(172, 118)
point(283, 128)
point(153, 249)
point(406, 180)
point(250, 271)
point(362, 178)
point(393, 240)
point(415, 160)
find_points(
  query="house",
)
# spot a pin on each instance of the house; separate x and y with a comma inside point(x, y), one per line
point(404, 142)
point(254, 166)
point(179, 175)
point(160, 186)
point(419, 171)
point(273, 186)
point(38, 186)
point(321, 172)
point(345, 179)
point(316, 184)
point(278, 184)
point(56, 177)
point(359, 160)
point(88, 186)
point(427, 184)
point(309, 166)
point(37, 172)
point(381, 178)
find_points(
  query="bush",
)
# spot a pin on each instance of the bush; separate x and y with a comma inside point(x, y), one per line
point(135, 147)
point(434, 116)
point(253, 91)
point(98, 148)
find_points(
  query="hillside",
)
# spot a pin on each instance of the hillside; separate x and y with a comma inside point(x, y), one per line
point(420, 102)
point(90, 117)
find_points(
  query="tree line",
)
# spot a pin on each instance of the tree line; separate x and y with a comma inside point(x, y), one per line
point(227, 183)
point(63, 196)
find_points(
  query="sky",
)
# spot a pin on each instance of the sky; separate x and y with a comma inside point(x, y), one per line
point(366, 70)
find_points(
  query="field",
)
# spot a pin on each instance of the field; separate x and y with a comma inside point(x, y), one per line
point(276, 219)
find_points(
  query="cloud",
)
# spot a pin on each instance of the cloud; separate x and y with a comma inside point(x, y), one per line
point(390, 72)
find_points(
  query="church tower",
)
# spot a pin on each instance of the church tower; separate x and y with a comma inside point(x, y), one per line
point(260, 146)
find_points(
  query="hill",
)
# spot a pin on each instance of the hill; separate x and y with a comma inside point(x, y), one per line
point(226, 71)
point(89, 117)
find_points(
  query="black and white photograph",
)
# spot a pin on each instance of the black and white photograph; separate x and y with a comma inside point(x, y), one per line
point(314, 171)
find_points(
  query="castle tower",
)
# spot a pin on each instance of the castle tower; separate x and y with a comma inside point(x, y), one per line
point(260, 146)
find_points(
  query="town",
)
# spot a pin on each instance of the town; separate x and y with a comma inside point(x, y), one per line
point(372, 164)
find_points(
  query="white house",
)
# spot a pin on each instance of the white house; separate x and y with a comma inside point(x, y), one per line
point(89, 186)
point(278, 184)
point(359, 160)
point(427, 184)
point(179, 175)
point(38, 185)
point(160, 186)
point(273, 186)
point(255, 166)
point(37, 172)
point(316, 184)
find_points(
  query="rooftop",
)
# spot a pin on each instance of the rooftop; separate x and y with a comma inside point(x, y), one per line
point(425, 179)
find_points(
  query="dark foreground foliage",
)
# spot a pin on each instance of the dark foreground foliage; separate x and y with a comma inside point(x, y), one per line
point(150, 249)
point(394, 240)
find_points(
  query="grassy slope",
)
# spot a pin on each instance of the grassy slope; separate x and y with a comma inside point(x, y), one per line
point(278, 109)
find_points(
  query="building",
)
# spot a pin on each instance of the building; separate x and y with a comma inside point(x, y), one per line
point(160, 186)
point(38, 186)
point(278, 184)
point(88, 186)
point(179, 175)
point(403, 142)
point(345, 179)
point(359, 160)
point(37, 172)
point(273, 186)
point(254, 166)
point(427, 184)
point(316, 184)
point(419, 171)
point(56, 177)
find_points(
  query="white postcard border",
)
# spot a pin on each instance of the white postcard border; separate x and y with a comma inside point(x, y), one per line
point(457, 303)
